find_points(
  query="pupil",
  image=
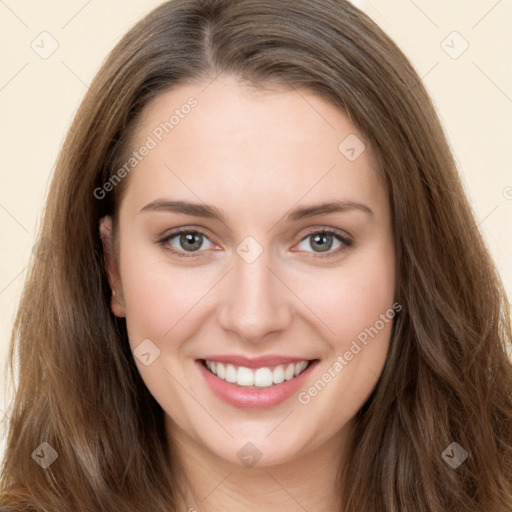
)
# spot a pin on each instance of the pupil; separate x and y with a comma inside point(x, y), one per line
point(322, 242)
point(194, 239)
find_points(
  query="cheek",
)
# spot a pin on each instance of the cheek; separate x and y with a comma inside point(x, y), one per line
point(357, 304)
point(353, 297)
point(159, 297)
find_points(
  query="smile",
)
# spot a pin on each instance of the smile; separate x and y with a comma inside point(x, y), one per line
point(256, 378)
point(262, 383)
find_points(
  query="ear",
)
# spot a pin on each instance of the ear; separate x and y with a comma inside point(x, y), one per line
point(114, 278)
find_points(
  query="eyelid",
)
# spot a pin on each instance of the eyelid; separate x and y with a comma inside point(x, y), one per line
point(164, 241)
point(327, 229)
point(345, 239)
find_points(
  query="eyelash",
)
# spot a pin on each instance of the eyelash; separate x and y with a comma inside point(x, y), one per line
point(346, 242)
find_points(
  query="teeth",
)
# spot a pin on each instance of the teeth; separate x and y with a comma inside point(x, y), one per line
point(221, 371)
point(300, 367)
point(245, 377)
point(231, 373)
point(278, 375)
point(289, 373)
point(261, 377)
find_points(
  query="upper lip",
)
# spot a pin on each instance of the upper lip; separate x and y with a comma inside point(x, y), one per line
point(255, 362)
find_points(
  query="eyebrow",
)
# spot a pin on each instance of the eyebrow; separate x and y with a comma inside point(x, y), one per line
point(210, 212)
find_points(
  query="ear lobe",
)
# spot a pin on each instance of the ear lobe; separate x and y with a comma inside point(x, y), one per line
point(107, 239)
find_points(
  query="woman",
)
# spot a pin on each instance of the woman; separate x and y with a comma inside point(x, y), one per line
point(260, 283)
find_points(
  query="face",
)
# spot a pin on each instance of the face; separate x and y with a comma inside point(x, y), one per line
point(255, 269)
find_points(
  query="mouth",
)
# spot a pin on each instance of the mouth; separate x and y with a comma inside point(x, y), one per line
point(255, 386)
point(256, 378)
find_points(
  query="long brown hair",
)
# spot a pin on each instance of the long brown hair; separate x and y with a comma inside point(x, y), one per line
point(447, 378)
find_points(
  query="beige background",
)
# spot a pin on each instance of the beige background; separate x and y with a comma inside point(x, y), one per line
point(38, 98)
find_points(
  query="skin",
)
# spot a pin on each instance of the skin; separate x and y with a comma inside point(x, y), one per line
point(255, 156)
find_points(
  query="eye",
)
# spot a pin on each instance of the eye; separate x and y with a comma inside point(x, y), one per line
point(186, 241)
point(189, 243)
point(324, 241)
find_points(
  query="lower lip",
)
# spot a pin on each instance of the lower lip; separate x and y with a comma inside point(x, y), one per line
point(247, 398)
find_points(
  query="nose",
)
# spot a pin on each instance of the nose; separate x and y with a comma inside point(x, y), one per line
point(255, 303)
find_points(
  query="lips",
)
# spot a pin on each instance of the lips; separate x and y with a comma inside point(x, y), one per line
point(255, 362)
point(235, 385)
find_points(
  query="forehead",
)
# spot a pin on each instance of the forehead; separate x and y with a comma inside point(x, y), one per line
point(241, 146)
